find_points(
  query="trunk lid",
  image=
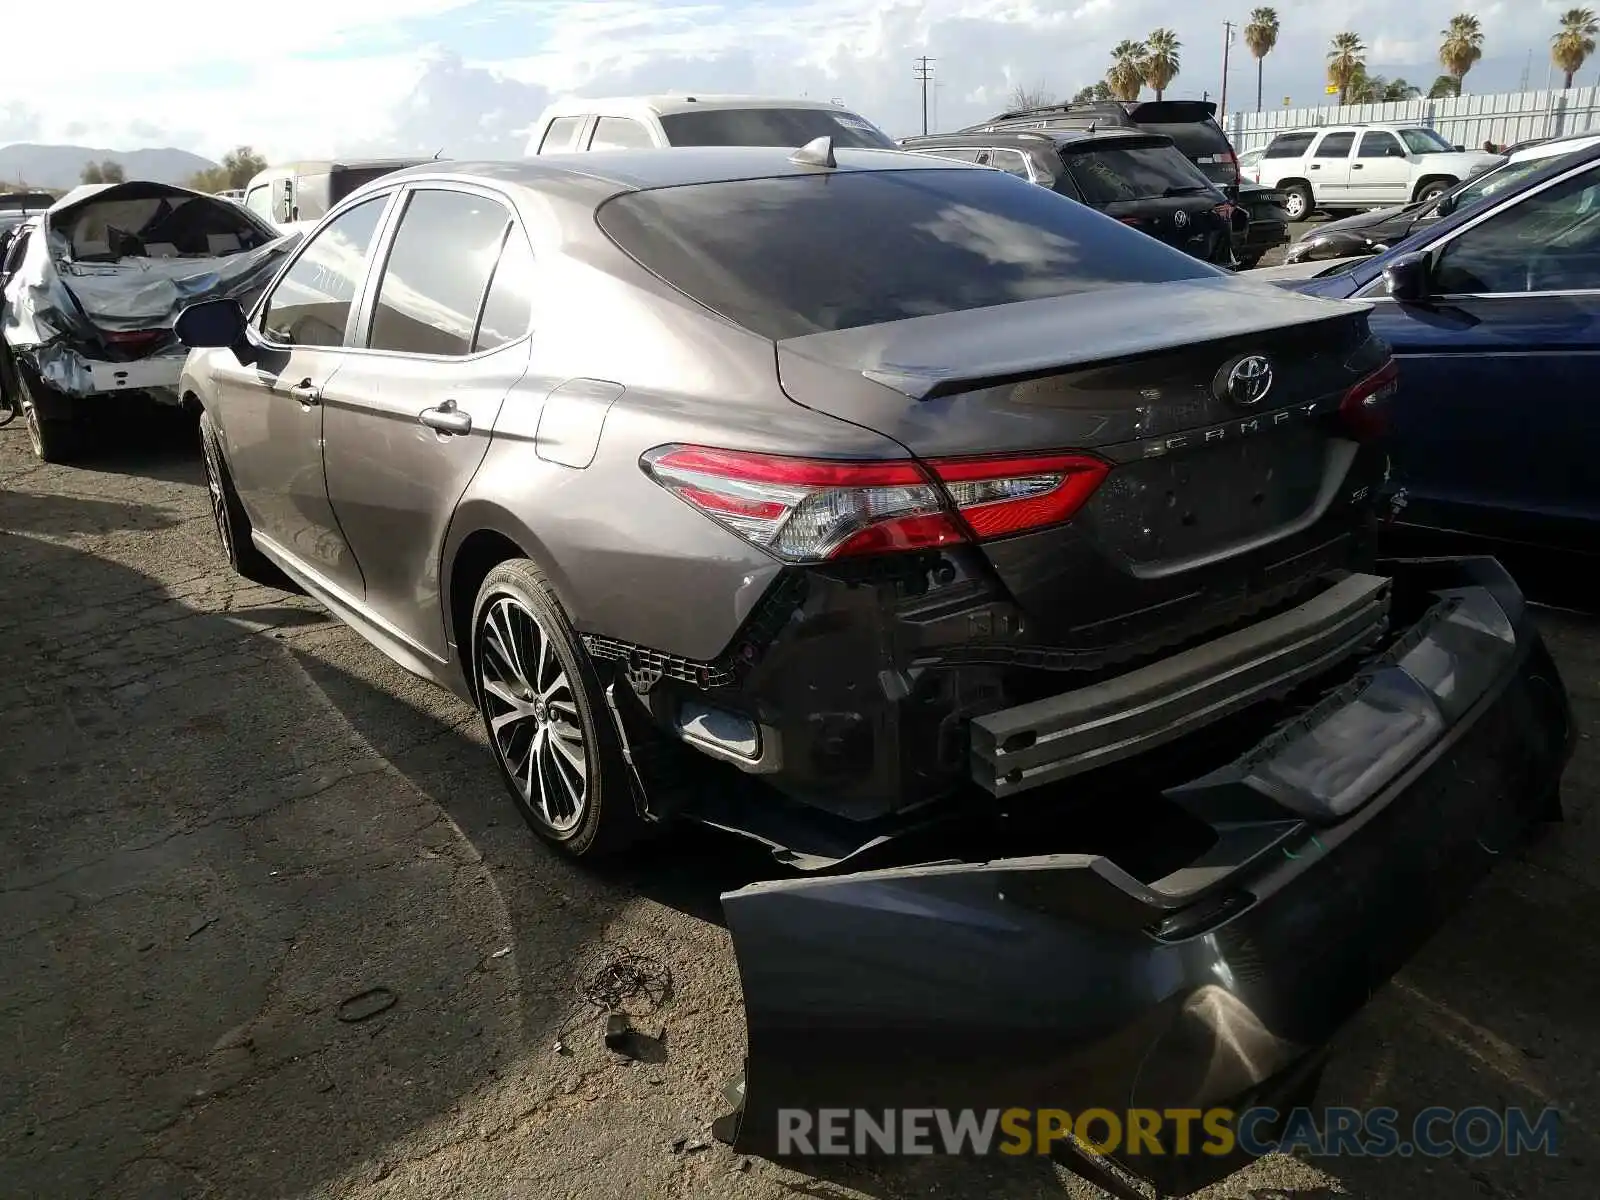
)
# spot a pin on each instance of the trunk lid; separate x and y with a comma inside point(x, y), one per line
point(1188, 223)
point(1137, 375)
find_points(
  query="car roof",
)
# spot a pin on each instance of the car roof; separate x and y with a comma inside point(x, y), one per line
point(635, 170)
point(1351, 126)
point(668, 104)
point(1024, 137)
point(1551, 147)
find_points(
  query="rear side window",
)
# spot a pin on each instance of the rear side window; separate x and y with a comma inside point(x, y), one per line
point(620, 133)
point(1335, 145)
point(1289, 145)
point(310, 306)
point(561, 135)
point(1107, 174)
point(959, 153)
point(802, 254)
point(436, 274)
point(772, 127)
point(1012, 162)
point(508, 309)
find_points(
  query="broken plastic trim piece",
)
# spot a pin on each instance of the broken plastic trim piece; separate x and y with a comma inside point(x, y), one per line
point(1017, 749)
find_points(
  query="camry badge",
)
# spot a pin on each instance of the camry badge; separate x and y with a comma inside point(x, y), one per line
point(1248, 381)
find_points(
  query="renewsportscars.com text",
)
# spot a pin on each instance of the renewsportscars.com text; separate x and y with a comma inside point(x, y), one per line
point(1373, 1132)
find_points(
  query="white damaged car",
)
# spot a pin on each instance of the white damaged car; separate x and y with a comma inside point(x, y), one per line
point(89, 290)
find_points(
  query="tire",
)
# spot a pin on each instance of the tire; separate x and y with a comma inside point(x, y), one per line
point(1434, 190)
point(227, 513)
point(1298, 202)
point(52, 439)
point(555, 745)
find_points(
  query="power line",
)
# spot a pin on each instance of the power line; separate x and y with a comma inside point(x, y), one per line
point(923, 73)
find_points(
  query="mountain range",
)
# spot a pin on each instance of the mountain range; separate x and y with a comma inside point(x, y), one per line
point(59, 166)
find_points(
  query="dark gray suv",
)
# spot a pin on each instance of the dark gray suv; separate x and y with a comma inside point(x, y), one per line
point(1021, 557)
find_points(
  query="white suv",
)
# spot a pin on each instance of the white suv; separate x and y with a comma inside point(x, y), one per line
point(644, 122)
point(1364, 166)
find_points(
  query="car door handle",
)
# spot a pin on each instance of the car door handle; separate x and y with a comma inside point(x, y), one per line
point(1316, 166)
point(447, 418)
point(1355, 166)
point(306, 392)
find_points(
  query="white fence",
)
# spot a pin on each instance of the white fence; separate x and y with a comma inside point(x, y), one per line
point(1463, 120)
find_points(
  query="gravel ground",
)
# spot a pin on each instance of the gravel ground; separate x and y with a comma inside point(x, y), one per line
point(271, 928)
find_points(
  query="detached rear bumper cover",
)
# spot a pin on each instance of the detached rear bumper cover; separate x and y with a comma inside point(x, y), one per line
point(1062, 982)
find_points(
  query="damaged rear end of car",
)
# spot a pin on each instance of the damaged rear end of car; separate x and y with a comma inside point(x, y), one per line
point(1135, 773)
point(90, 303)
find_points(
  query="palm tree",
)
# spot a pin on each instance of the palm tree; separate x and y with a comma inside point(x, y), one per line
point(1161, 60)
point(1261, 35)
point(1575, 42)
point(1346, 62)
point(1462, 46)
point(1126, 75)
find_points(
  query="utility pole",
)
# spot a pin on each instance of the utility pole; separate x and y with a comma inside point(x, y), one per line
point(923, 74)
point(1227, 44)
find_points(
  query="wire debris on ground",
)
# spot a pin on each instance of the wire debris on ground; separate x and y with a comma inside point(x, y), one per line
point(638, 977)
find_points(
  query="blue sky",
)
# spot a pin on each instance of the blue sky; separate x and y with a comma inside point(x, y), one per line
point(471, 75)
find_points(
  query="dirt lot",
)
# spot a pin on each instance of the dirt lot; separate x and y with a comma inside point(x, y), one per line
point(270, 927)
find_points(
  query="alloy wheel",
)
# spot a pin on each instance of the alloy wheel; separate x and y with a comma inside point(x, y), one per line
point(532, 714)
point(30, 419)
point(219, 499)
point(1294, 206)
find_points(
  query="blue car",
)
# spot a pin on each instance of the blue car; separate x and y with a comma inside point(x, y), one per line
point(1494, 315)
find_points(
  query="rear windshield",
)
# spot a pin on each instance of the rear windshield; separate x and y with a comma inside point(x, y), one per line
point(1111, 174)
point(772, 127)
point(803, 254)
point(1202, 143)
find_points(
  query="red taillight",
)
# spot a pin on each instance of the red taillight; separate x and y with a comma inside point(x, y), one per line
point(1233, 161)
point(808, 510)
point(135, 339)
point(1000, 496)
point(1362, 408)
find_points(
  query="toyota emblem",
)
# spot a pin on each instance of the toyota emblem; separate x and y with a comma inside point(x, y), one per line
point(1180, 219)
point(1249, 381)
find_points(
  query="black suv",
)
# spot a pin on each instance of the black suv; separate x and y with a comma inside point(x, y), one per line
point(1141, 179)
point(1193, 128)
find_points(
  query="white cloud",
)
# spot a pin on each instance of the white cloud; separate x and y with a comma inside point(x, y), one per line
point(471, 75)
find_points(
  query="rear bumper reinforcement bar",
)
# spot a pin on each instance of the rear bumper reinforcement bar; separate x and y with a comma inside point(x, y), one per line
point(1047, 740)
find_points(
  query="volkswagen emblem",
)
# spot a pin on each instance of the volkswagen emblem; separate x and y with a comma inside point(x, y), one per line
point(1248, 381)
point(1180, 219)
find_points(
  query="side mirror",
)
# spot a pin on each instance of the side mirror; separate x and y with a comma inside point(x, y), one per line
point(1406, 278)
point(211, 324)
point(1461, 149)
point(1446, 206)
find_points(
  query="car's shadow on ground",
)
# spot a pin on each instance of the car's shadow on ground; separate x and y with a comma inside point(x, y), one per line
point(151, 442)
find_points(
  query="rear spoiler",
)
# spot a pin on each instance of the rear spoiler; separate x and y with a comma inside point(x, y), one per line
point(1172, 112)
